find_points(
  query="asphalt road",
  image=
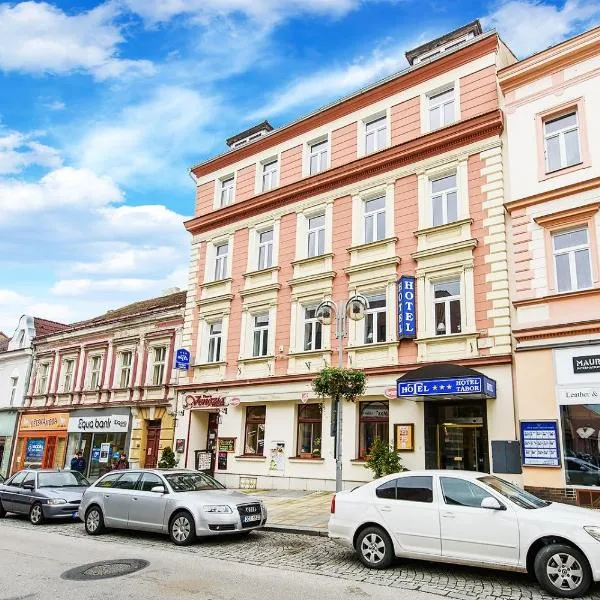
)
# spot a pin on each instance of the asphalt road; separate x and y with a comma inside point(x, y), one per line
point(32, 561)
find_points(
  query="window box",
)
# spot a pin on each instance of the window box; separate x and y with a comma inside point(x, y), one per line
point(310, 459)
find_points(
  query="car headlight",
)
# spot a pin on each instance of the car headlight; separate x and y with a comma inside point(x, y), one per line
point(57, 501)
point(217, 508)
point(594, 531)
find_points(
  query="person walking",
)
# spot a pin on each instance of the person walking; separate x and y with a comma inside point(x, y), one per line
point(122, 463)
point(78, 463)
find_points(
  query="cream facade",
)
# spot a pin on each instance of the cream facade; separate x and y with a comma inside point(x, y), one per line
point(409, 184)
point(554, 180)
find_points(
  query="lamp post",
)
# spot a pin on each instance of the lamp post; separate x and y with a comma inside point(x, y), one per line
point(354, 308)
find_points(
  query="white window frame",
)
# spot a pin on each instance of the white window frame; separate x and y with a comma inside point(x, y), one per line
point(374, 215)
point(263, 332)
point(444, 197)
point(323, 154)
point(158, 366)
point(67, 384)
point(95, 371)
point(440, 104)
point(269, 175)
point(226, 192)
point(265, 251)
point(561, 139)
point(384, 126)
point(125, 369)
point(214, 347)
point(315, 324)
point(221, 261)
point(460, 297)
point(42, 378)
point(14, 382)
point(570, 251)
point(315, 235)
point(372, 314)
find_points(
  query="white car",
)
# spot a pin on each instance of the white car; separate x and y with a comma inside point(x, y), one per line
point(473, 519)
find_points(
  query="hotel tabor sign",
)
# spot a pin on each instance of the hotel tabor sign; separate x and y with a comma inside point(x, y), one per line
point(586, 364)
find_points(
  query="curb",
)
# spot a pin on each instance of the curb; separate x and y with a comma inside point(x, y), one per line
point(298, 529)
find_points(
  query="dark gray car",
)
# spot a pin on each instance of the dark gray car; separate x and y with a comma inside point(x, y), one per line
point(43, 494)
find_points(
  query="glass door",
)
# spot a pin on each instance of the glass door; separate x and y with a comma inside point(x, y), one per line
point(461, 447)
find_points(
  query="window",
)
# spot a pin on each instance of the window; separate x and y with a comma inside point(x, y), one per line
point(375, 319)
point(459, 492)
point(409, 489)
point(313, 330)
point(95, 364)
point(447, 307)
point(444, 200)
point(561, 142)
point(158, 365)
point(17, 480)
point(148, 481)
point(14, 381)
point(441, 109)
point(125, 376)
point(374, 220)
point(221, 255)
point(269, 175)
point(260, 346)
point(214, 341)
point(68, 366)
point(316, 236)
point(318, 156)
point(42, 382)
point(375, 135)
point(310, 417)
point(373, 423)
point(29, 481)
point(227, 190)
point(127, 481)
point(254, 438)
point(265, 249)
point(109, 480)
point(572, 260)
point(387, 491)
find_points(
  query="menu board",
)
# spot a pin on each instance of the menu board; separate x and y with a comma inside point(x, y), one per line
point(226, 444)
point(404, 436)
point(539, 444)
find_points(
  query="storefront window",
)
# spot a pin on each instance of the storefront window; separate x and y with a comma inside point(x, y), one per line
point(310, 417)
point(373, 423)
point(581, 443)
point(99, 450)
point(254, 443)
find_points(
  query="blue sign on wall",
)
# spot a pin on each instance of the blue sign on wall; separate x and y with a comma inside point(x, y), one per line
point(34, 451)
point(539, 444)
point(481, 386)
point(182, 359)
point(407, 309)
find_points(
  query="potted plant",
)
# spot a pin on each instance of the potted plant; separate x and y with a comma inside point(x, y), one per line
point(383, 459)
point(316, 451)
point(305, 452)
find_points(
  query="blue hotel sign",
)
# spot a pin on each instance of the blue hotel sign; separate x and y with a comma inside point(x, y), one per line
point(407, 310)
point(480, 386)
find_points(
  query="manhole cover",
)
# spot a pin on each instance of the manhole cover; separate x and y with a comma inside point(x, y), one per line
point(106, 569)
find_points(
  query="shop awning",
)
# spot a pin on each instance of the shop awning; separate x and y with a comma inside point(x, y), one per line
point(445, 381)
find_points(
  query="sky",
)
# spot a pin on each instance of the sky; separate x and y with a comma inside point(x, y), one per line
point(104, 106)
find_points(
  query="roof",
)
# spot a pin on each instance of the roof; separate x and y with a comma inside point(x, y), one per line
point(264, 126)
point(473, 27)
point(44, 327)
point(136, 308)
point(4, 339)
point(439, 371)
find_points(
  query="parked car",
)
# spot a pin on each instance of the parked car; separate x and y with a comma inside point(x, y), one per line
point(2, 480)
point(581, 472)
point(185, 504)
point(43, 494)
point(473, 519)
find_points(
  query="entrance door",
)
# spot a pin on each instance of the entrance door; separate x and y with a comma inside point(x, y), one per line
point(211, 439)
point(152, 444)
point(460, 447)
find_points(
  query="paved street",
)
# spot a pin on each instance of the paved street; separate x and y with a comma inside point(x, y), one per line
point(261, 567)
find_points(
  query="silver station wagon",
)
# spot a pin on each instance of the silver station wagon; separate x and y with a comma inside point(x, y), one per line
point(185, 504)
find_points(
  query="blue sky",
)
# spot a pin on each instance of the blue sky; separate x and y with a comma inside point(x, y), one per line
point(105, 105)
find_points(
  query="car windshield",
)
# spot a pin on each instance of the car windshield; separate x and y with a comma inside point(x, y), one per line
point(513, 493)
point(62, 480)
point(192, 482)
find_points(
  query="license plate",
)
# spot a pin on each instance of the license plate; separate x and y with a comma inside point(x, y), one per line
point(75, 515)
point(251, 518)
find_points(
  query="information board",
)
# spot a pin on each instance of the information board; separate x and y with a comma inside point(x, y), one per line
point(539, 443)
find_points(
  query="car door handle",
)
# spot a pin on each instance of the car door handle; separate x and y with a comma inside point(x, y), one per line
point(448, 515)
point(107, 495)
point(134, 499)
point(386, 508)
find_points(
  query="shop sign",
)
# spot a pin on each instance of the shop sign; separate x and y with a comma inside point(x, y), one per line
point(390, 393)
point(539, 443)
point(104, 453)
point(204, 401)
point(448, 387)
point(180, 445)
point(586, 364)
point(579, 396)
point(34, 452)
point(407, 311)
point(226, 444)
point(108, 424)
point(44, 422)
point(182, 359)
point(372, 411)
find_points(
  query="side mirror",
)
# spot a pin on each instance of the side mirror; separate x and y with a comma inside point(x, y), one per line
point(492, 504)
point(159, 489)
point(29, 485)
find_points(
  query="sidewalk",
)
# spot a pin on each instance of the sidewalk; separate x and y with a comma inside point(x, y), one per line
point(296, 510)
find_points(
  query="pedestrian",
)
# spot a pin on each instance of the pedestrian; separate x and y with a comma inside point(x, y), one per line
point(122, 463)
point(78, 463)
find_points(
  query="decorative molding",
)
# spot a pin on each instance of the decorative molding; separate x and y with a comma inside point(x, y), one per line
point(261, 272)
point(218, 282)
point(550, 331)
point(271, 287)
point(556, 297)
point(215, 299)
point(446, 227)
point(312, 259)
point(445, 249)
point(568, 216)
point(377, 244)
point(311, 278)
point(374, 264)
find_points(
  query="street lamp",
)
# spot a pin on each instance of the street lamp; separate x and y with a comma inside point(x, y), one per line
point(354, 308)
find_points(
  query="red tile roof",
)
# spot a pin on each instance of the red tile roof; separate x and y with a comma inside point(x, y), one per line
point(44, 327)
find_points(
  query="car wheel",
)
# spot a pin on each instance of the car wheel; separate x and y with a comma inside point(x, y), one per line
point(36, 514)
point(182, 529)
point(563, 571)
point(94, 521)
point(374, 548)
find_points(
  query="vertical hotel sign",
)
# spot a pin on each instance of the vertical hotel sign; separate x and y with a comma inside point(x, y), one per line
point(407, 310)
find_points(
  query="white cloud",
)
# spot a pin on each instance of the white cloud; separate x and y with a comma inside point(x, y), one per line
point(19, 151)
point(55, 105)
point(81, 287)
point(531, 26)
point(130, 260)
point(10, 297)
point(40, 38)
